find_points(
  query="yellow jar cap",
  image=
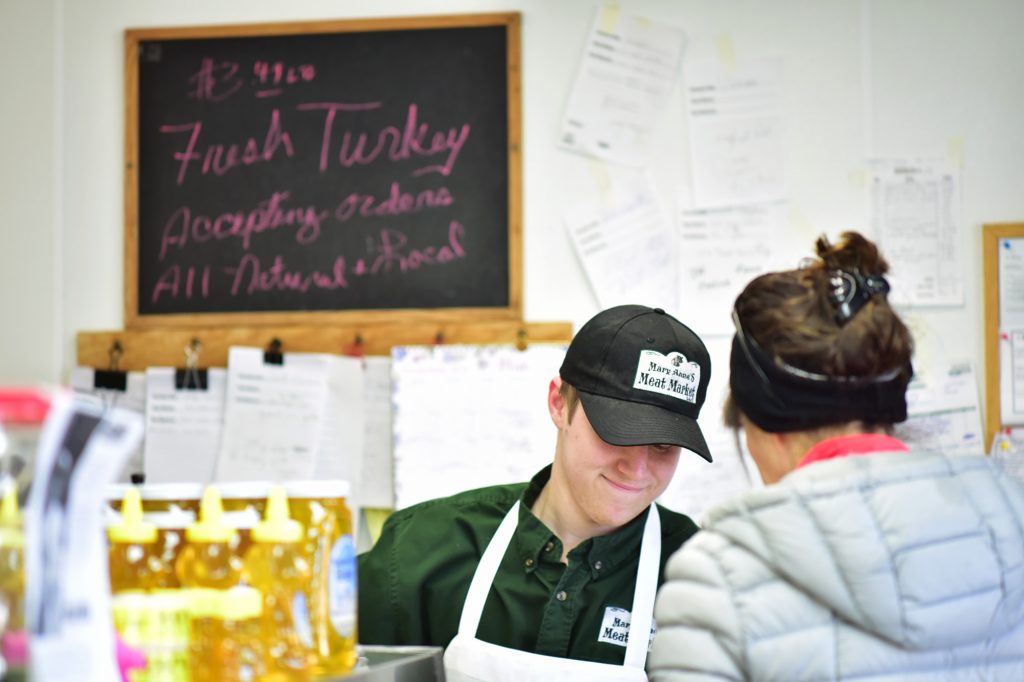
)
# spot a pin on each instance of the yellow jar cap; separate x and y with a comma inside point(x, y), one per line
point(241, 603)
point(203, 602)
point(277, 525)
point(10, 518)
point(131, 527)
point(210, 527)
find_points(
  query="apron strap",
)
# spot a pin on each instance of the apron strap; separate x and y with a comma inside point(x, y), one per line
point(643, 596)
point(473, 608)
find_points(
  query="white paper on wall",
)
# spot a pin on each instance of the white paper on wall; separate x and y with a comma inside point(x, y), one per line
point(720, 251)
point(377, 488)
point(183, 426)
point(470, 416)
point(916, 214)
point(624, 242)
point(627, 71)
point(943, 412)
point(736, 129)
point(273, 417)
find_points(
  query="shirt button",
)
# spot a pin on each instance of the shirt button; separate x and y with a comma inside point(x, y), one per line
point(561, 596)
point(598, 565)
point(529, 562)
point(548, 547)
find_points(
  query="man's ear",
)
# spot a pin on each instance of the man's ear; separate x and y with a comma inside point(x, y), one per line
point(556, 404)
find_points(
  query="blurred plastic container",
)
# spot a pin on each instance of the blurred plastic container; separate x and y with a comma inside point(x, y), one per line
point(134, 554)
point(244, 504)
point(209, 558)
point(329, 548)
point(22, 413)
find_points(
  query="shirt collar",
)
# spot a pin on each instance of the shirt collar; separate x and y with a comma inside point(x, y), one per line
point(535, 542)
point(855, 444)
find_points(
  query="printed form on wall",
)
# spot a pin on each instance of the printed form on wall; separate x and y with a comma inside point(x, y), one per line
point(915, 213)
point(626, 75)
point(624, 242)
point(470, 416)
point(183, 426)
point(736, 132)
point(720, 251)
point(298, 420)
point(1011, 330)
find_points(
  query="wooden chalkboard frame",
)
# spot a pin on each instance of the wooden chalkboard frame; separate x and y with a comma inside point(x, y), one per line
point(991, 234)
point(513, 311)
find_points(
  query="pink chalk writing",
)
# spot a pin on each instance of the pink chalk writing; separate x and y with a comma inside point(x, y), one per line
point(219, 158)
point(270, 214)
point(171, 283)
point(249, 278)
point(214, 81)
point(396, 203)
point(389, 251)
point(358, 149)
point(270, 76)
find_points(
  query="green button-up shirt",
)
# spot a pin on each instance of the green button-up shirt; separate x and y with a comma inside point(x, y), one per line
point(413, 583)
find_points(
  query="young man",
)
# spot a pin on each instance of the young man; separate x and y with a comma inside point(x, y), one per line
point(563, 568)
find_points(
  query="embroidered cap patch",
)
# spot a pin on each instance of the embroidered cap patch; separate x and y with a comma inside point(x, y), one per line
point(672, 375)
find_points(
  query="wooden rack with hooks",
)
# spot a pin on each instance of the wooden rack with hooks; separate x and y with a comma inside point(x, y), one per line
point(163, 347)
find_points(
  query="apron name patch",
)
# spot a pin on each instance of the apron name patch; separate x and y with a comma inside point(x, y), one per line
point(615, 627)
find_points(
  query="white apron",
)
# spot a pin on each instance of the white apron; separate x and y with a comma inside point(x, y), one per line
point(469, 659)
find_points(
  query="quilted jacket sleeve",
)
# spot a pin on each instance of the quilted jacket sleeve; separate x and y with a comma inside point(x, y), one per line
point(699, 636)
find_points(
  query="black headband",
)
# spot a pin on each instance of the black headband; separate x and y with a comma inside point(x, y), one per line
point(778, 397)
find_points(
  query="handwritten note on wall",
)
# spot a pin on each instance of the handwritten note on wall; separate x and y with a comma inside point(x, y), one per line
point(470, 416)
point(624, 241)
point(274, 174)
point(720, 251)
point(736, 132)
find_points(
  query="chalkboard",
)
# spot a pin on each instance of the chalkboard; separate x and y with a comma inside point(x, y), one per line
point(352, 170)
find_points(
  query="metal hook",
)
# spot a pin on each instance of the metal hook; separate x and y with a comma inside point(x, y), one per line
point(114, 355)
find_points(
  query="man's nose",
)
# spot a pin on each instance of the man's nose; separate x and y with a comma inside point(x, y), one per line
point(633, 462)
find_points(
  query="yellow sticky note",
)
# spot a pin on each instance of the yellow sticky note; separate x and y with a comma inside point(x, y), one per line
point(609, 20)
point(602, 180)
point(800, 222)
point(726, 50)
point(955, 149)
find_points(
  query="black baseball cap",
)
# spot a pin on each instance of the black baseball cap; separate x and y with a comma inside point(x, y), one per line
point(642, 376)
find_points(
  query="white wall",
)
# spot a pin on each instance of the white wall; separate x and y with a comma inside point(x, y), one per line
point(895, 77)
point(29, 193)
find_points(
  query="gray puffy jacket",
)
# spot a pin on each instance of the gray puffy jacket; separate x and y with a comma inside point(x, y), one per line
point(898, 566)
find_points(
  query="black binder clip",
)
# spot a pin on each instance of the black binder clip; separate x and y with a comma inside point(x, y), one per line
point(191, 377)
point(112, 379)
point(273, 354)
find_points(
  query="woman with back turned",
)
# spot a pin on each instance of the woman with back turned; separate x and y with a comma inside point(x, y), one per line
point(860, 559)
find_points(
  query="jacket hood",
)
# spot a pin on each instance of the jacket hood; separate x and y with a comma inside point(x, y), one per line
point(924, 550)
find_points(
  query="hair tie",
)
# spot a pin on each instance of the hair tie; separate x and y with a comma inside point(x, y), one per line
point(850, 290)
